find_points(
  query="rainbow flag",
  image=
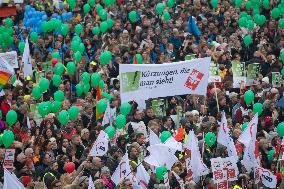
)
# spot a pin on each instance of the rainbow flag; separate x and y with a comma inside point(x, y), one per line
point(98, 97)
point(5, 72)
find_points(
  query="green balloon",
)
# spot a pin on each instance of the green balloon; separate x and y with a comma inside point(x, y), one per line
point(214, 3)
point(44, 84)
point(103, 26)
point(107, 96)
point(96, 31)
point(86, 8)
point(101, 106)
point(266, 4)
point(257, 108)
point(58, 68)
point(56, 80)
point(102, 84)
point(250, 25)
point(77, 38)
point(81, 48)
point(280, 129)
point(247, 40)
point(86, 88)
point(56, 105)
point(85, 77)
point(8, 22)
point(281, 26)
point(242, 21)
point(164, 136)
point(44, 109)
point(75, 45)
point(238, 3)
point(249, 97)
point(95, 79)
point(244, 125)
point(78, 56)
point(125, 108)
point(262, 20)
point(13, 79)
point(34, 37)
point(73, 113)
point(132, 16)
point(79, 90)
point(71, 68)
point(171, 3)
point(120, 121)
point(105, 57)
point(210, 139)
point(139, 58)
point(166, 16)
point(109, 23)
point(11, 118)
point(36, 93)
point(55, 55)
point(21, 47)
point(78, 29)
point(160, 8)
point(160, 172)
point(110, 131)
point(275, 13)
point(92, 2)
point(270, 154)
point(8, 138)
point(103, 14)
point(99, 8)
point(64, 29)
point(72, 4)
point(59, 96)
point(63, 117)
point(282, 71)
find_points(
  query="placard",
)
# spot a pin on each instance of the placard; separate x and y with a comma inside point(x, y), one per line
point(9, 159)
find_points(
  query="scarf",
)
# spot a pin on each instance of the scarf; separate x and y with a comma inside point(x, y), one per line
point(107, 182)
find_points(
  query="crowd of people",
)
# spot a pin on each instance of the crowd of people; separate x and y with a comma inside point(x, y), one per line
point(43, 145)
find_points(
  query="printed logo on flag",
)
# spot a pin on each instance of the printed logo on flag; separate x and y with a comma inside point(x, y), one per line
point(193, 79)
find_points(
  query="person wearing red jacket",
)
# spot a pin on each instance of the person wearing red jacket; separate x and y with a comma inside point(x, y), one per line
point(6, 103)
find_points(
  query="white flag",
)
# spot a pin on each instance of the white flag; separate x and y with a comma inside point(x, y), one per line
point(248, 138)
point(5, 66)
point(198, 167)
point(250, 132)
point(267, 178)
point(161, 155)
point(224, 137)
point(180, 180)
point(122, 171)
point(100, 147)
point(91, 183)
point(11, 181)
point(142, 177)
point(109, 115)
point(28, 69)
point(173, 144)
point(153, 138)
point(28, 123)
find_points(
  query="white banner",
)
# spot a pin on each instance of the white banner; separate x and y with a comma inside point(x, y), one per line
point(267, 178)
point(11, 58)
point(140, 82)
point(224, 169)
point(100, 147)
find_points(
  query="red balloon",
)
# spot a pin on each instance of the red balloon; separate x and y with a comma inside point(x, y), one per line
point(54, 61)
point(70, 167)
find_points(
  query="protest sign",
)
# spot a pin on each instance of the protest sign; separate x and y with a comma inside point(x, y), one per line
point(11, 58)
point(141, 82)
point(214, 74)
point(239, 74)
point(47, 66)
point(266, 177)
point(190, 56)
point(224, 169)
point(252, 74)
point(158, 107)
point(275, 79)
point(39, 76)
point(9, 159)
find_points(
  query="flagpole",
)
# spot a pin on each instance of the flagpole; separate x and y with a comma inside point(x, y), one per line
point(216, 96)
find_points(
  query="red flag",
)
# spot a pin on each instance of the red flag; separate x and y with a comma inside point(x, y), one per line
point(135, 60)
point(98, 97)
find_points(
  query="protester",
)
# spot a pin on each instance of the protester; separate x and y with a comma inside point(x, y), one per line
point(64, 125)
